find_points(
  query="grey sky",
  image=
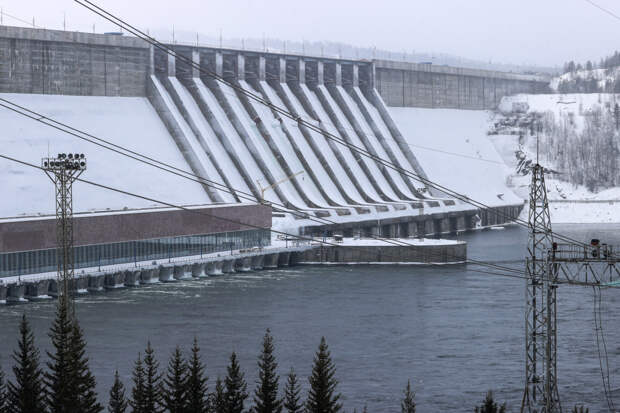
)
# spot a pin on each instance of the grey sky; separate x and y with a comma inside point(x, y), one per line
point(543, 32)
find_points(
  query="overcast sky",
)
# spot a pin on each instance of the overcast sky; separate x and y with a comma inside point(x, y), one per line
point(542, 32)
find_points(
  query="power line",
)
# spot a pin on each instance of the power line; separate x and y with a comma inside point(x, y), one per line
point(507, 271)
point(284, 112)
point(300, 237)
point(603, 9)
point(136, 156)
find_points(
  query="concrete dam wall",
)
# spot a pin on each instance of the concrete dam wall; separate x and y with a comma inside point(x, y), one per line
point(74, 63)
point(246, 148)
point(434, 86)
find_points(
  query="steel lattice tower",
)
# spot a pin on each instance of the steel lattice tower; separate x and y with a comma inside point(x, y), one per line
point(541, 389)
point(63, 171)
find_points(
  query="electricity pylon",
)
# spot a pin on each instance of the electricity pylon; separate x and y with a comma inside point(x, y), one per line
point(541, 388)
point(63, 171)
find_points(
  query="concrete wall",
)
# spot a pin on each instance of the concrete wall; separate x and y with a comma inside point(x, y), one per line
point(385, 254)
point(38, 234)
point(71, 63)
point(429, 86)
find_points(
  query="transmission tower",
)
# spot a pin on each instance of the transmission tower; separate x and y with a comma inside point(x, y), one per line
point(541, 390)
point(63, 171)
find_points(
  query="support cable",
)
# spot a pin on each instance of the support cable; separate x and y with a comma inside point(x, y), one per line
point(284, 112)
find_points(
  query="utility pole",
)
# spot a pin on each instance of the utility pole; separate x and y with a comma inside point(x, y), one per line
point(541, 390)
point(63, 171)
point(548, 265)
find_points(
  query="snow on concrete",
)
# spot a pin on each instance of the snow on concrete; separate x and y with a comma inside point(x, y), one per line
point(210, 142)
point(325, 124)
point(453, 149)
point(130, 122)
point(241, 151)
point(375, 144)
point(321, 143)
point(356, 141)
point(263, 151)
point(389, 139)
point(291, 158)
point(192, 140)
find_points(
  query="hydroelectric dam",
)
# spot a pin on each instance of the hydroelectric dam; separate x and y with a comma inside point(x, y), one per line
point(133, 95)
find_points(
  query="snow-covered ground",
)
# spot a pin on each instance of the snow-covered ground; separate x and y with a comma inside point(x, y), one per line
point(130, 122)
point(454, 150)
point(568, 203)
point(603, 77)
point(575, 106)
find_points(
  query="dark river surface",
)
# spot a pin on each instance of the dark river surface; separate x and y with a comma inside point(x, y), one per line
point(454, 332)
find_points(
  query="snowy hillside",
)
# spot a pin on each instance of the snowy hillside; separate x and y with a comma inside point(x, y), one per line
point(578, 140)
point(130, 122)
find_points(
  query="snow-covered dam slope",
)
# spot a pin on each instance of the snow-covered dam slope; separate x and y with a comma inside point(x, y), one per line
point(129, 122)
point(454, 149)
point(368, 173)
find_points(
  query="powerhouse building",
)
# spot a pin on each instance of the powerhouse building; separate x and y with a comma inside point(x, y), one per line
point(28, 245)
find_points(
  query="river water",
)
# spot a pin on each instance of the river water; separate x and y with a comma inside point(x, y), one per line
point(454, 332)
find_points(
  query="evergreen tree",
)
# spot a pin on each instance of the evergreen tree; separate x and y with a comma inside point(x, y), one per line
point(58, 378)
point(218, 398)
point(408, 403)
point(236, 387)
point(489, 405)
point(83, 381)
point(580, 409)
point(118, 402)
point(137, 401)
point(152, 382)
point(292, 390)
point(197, 400)
point(27, 393)
point(266, 394)
point(3, 395)
point(175, 384)
point(322, 397)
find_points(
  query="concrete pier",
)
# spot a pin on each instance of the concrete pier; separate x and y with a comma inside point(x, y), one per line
point(149, 276)
point(165, 274)
point(96, 283)
point(228, 266)
point(182, 272)
point(243, 264)
point(132, 278)
point(257, 262)
point(284, 259)
point(214, 268)
point(199, 270)
point(368, 251)
point(271, 261)
point(15, 294)
point(80, 285)
point(37, 290)
point(115, 280)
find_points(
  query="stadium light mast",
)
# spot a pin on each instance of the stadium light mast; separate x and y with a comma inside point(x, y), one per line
point(63, 170)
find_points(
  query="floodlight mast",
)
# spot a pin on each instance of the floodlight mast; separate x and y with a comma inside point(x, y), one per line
point(63, 170)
